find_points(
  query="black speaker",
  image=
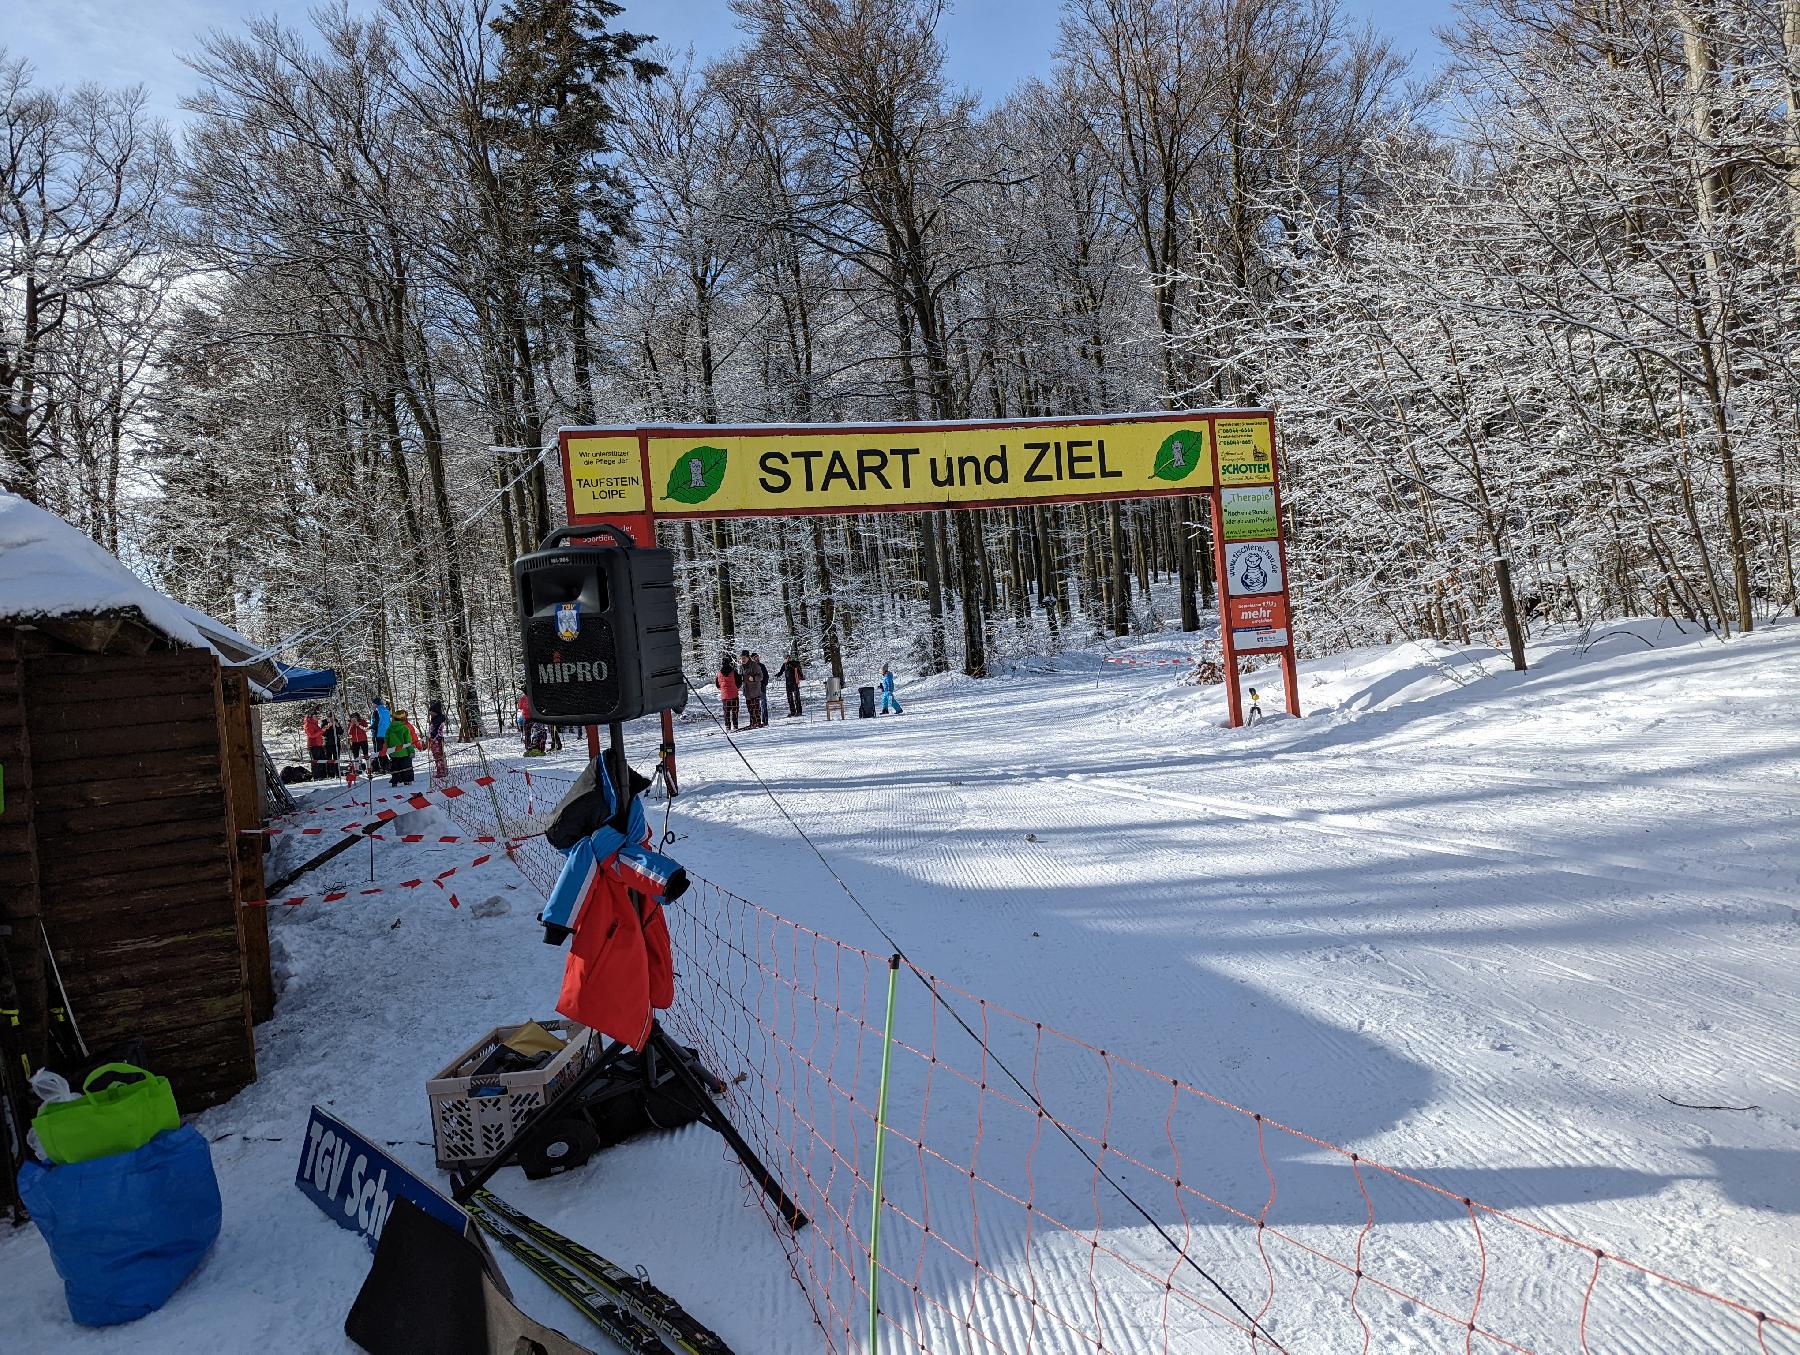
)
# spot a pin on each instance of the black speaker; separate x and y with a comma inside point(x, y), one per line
point(599, 629)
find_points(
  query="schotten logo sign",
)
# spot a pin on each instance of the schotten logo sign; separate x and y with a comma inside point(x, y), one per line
point(355, 1183)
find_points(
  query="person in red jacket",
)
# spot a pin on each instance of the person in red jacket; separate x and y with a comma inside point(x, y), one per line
point(315, 745)
point(728, 692)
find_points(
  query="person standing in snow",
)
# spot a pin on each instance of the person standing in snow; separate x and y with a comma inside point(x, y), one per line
point(401, 743)
point(887, 691)
point(728, 692)
point(359, 738)
point(762, 680)
point(378, 725)
point(333, 735)
point(791, 676)
point(751, 678)
point(436, 731)
point(315, 745)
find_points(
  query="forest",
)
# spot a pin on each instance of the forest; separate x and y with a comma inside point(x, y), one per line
point(1530, 321)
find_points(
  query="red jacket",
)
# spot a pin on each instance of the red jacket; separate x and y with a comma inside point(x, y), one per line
point(620, 968)
point(728, 686)
point(315, 733)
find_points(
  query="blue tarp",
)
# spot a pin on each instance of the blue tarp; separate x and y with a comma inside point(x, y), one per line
point(306, 684)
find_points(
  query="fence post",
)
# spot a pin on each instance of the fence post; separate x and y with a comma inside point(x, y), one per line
point(887, 1050)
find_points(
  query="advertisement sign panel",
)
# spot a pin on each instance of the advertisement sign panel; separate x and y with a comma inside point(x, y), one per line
point(1255, 641)
point(1246, 451)
point(606, 475)
point(1248, 514)
point(1253, 567)
point(355, 1182)
point(1259, 613)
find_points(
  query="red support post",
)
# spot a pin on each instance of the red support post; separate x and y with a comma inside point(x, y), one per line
point(668, 733)
point(1234, 699)
point(1290, 670)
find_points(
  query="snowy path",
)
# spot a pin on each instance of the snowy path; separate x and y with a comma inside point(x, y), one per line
point(1475, 926)
point(1475, 931)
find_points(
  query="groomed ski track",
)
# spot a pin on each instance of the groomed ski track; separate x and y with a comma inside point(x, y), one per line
point(1470, 923)
point(1473, 923)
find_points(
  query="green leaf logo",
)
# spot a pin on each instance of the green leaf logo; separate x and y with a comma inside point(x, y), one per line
point(1180, 453)
point(697, 474)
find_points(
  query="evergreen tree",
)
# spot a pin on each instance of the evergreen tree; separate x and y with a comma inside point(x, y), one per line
point(555, 117)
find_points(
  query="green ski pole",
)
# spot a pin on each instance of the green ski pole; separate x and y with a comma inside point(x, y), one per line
point(881, 1101)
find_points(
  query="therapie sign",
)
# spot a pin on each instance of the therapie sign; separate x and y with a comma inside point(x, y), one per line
point(631, 477)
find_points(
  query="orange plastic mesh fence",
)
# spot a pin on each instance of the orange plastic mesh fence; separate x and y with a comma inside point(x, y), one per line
point(1000, 1235)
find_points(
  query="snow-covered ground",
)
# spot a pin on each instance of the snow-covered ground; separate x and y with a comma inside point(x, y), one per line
point(1483, 926)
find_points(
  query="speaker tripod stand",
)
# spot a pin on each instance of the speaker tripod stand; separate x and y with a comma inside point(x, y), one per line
point(659, 1062)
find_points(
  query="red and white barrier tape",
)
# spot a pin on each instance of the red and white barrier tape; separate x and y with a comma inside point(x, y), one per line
point(350, 892)
point(417, 800)
point(1154, 663)
point(377, 837)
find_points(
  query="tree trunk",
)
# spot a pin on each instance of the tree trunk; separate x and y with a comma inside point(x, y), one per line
point(969, 584)
point(1713, 338)
point(690, 550)
point(721, 544)
point(828, 636)
point(1118, 591)
point(1509, 612)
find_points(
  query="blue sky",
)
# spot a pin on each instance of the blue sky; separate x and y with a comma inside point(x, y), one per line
point(991, 44)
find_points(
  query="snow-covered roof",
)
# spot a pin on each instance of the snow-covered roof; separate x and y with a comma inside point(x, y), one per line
point(230, 644)
point(50, 570)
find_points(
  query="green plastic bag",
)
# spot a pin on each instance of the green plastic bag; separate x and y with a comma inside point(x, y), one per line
point(118, 1119)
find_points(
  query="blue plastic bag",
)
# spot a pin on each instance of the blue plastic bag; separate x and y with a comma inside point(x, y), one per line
point(125, 1231)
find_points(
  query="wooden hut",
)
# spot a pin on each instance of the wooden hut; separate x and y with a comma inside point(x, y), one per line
point(130, 765)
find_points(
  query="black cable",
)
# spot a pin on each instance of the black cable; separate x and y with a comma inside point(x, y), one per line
point(1256, 1328)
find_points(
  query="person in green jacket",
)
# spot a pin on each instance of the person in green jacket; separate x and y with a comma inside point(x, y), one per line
point(402, 743)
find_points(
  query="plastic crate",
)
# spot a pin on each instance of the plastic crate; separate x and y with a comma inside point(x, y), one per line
point(473, 1118)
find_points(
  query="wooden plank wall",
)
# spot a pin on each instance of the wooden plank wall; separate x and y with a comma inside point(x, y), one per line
point(245, 787)
point(137, 859)
point(18, 850)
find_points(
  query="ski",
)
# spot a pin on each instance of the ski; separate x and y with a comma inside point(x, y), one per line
point(679, 1327)
point(630, 1332)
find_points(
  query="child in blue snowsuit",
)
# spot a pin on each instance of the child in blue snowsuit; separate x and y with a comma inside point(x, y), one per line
point(887, 691)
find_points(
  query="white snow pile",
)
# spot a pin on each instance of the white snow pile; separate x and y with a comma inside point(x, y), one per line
point(1532, 936)
point(50, 569)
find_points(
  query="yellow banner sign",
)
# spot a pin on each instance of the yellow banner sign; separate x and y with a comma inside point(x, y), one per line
point(708, 472)
point(606, 475)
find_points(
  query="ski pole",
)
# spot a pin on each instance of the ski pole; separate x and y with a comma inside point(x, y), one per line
point(887, 1052)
